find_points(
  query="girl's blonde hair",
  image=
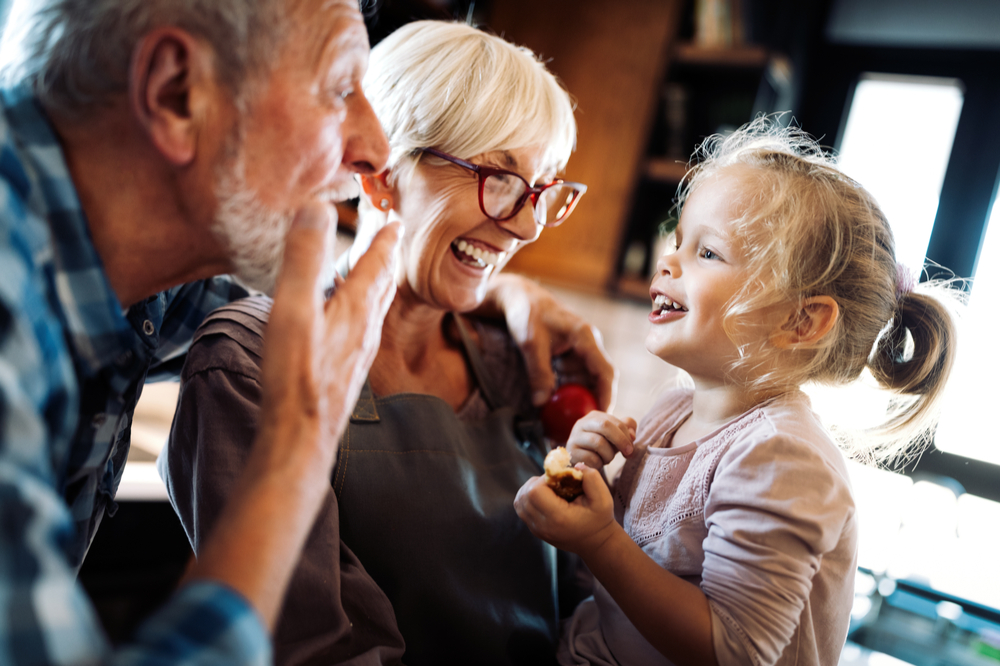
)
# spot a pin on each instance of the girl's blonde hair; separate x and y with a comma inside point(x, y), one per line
point(466, 92)
point(809, 230)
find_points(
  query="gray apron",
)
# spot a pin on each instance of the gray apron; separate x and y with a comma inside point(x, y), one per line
point(426, 503)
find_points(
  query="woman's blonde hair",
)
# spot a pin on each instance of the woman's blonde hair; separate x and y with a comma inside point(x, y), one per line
point(436, 84)
point(809, 230)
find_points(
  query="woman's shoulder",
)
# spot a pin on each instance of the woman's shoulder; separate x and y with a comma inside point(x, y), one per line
point(230, 338)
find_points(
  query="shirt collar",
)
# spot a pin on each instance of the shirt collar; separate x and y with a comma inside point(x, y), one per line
point(91, 314)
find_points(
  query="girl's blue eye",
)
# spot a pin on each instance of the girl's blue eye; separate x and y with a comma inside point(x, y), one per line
point(708, 254)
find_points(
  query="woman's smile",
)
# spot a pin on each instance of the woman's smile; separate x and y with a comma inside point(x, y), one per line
point(475, 254)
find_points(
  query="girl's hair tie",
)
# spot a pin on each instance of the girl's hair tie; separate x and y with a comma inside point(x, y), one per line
point(905, 280)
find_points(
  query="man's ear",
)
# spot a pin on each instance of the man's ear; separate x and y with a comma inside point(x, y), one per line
point(171, 74)
point(807, 323)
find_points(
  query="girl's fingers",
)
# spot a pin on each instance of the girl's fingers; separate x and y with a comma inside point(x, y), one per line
point(587, 457)
point(613, 430)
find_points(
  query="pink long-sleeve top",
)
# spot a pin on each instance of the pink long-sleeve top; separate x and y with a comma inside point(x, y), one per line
point(759, 514)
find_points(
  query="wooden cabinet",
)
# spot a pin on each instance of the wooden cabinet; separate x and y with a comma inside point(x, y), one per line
point(611, 56)
point(645, 96)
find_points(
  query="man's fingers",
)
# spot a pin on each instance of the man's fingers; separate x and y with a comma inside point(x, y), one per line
point(372, 275)
point(354, 318)
point(305, 250)
point(291, 327)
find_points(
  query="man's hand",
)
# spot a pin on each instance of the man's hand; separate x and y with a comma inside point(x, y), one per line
point(316, 354)
point(544, 328)
point(316, 358)
point(581, 526)
point(598, 436)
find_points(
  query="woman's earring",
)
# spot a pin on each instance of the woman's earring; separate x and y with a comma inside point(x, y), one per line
point(384, 204)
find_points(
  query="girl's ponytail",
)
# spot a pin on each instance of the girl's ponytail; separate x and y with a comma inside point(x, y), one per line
point(913, 358)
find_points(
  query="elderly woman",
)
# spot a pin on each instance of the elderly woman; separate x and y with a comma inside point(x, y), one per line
point(421, 511)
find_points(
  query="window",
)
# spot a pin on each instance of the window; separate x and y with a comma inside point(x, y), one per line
point(967, 428)
point(905, 176)
point(917, 126)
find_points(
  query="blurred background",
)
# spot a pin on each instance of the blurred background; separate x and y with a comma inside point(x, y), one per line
point(907, 92)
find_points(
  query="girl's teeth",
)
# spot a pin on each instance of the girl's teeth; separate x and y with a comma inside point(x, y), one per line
point(483, 257)
point(661, 303)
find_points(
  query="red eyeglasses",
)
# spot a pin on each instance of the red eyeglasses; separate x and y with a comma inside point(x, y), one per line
point(503, 193)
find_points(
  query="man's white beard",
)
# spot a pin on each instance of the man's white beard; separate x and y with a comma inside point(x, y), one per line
point(254, 235)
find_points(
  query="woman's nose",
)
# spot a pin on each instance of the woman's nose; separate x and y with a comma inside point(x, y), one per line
point(523, 225)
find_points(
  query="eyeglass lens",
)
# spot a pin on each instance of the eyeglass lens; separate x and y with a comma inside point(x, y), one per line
point(502, 192)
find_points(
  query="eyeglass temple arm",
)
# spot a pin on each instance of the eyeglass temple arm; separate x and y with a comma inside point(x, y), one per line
point(452, 158)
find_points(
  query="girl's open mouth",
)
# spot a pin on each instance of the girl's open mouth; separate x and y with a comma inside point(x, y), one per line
point(661, 305)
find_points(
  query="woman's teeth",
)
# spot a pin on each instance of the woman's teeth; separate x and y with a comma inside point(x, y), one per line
point(661, 303)
point(474, 256)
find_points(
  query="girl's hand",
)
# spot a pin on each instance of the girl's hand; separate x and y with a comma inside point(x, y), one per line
point(581, 526)
point(597, 437)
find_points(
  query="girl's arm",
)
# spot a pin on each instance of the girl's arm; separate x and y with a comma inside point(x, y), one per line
point(671, 613)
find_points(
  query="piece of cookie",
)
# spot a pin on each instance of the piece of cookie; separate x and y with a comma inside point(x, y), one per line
point(566, 481)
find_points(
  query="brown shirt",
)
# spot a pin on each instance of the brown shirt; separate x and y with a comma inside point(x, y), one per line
point(430, 510)
point(345, 620)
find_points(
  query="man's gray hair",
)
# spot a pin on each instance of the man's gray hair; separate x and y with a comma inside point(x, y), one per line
point(75, 53)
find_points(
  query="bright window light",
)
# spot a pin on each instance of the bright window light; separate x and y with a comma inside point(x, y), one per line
point(966, 428)
point(896, 143)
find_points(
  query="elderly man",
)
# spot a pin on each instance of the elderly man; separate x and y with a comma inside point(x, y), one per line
point(145, 147)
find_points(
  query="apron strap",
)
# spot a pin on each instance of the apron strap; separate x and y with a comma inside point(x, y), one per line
point(527, 428)
point(364, 409)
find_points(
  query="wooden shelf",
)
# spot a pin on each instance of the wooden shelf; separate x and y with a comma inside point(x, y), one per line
point(665, 170)
point(747, 56)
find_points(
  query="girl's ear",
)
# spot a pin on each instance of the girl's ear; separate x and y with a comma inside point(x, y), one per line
point(808, 323)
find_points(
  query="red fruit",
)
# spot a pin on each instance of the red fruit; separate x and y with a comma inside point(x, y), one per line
point(569, 403)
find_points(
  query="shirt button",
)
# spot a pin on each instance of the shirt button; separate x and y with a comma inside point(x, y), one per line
point(148, 328)
point(98, 420)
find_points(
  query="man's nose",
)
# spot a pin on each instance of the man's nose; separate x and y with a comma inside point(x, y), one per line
point(366, 149)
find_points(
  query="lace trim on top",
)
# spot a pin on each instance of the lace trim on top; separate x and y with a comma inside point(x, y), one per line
point(667, 486)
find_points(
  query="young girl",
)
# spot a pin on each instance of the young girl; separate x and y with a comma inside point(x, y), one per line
point(730, 535)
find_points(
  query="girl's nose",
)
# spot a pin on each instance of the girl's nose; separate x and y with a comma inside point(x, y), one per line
point(668, 265)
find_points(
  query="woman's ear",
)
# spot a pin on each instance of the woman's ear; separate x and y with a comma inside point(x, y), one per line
point(806, 325)
point(376, 188)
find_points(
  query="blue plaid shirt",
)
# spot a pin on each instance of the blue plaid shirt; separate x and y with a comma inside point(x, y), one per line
point(72, 365)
